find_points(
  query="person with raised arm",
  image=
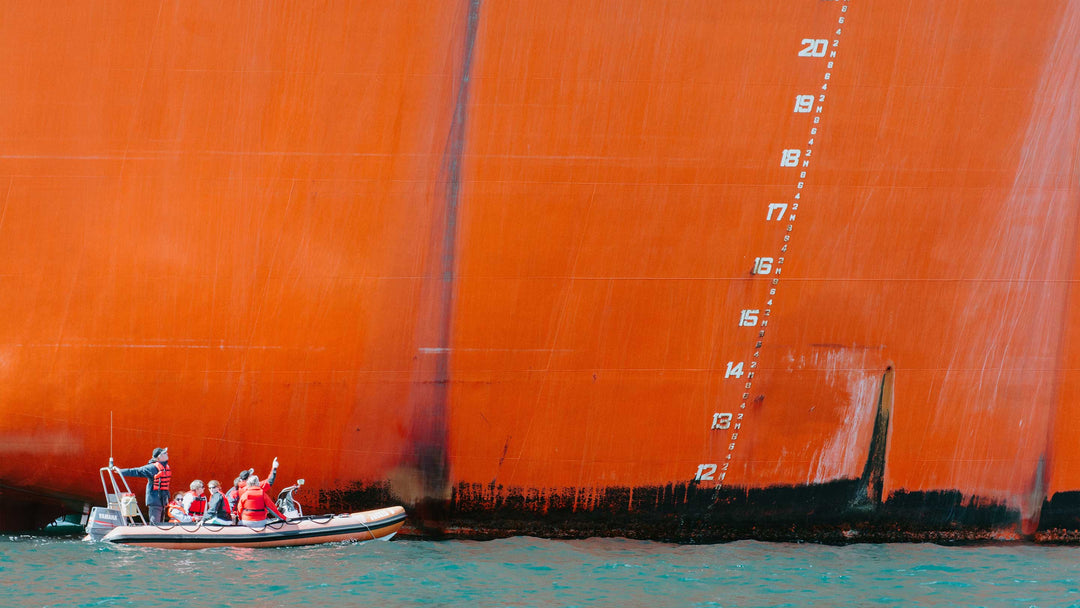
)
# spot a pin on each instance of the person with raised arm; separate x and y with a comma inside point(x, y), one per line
point(159, 474)
point(254, 505)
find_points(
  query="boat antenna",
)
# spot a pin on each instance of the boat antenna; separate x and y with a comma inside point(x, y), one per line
point(110, 440)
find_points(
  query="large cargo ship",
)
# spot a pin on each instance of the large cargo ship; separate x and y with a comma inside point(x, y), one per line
point(688, 270)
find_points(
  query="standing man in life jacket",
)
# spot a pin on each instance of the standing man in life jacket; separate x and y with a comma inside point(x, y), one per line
point(254, 505)
point(194, 500)
point(157, 489)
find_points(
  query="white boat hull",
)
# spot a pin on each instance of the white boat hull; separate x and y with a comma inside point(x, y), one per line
point(379, 524)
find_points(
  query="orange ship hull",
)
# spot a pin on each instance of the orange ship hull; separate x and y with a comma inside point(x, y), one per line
point(608, 267)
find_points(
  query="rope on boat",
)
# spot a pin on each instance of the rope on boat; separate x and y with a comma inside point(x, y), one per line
point(362, 522)
point(198, 525)
point(370, 533)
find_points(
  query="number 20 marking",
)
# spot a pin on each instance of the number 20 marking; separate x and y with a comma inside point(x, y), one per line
point(814, 47)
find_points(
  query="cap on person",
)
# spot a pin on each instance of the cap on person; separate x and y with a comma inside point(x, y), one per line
point(244, 474)
point(160, 451)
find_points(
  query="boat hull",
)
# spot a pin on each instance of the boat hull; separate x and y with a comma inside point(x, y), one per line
point(379, 524)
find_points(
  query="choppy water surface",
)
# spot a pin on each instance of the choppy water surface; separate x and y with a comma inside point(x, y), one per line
point(533, 572)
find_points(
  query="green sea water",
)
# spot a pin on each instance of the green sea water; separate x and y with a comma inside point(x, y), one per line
point(534, 572)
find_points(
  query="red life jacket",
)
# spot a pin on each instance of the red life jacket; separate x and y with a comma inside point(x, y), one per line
point(252, 505)
point(232, 499)
point(198, 504)
point(162, 477)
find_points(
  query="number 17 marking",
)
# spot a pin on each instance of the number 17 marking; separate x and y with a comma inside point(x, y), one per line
point(773, 207)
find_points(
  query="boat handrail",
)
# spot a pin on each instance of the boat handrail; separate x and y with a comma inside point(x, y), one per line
point(113, 500)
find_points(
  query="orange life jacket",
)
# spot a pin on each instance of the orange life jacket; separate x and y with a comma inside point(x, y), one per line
point(252, 505)
point(162, 477)
point(198, 504)
point(174, 508)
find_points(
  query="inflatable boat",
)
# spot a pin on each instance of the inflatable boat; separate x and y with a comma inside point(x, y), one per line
point(122, 523)
point(380, 524)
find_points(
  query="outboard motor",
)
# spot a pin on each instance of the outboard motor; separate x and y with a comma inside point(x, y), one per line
point(102, 521)
point(122, 507)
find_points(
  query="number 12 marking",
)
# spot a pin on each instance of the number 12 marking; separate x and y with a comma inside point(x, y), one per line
point(705, 472)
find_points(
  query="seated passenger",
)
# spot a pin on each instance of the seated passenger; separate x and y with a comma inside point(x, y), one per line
point(176, 511)
point(240, 486)
point(217, 509)
point(194, 501)
point(254, 503)
point(232, 497)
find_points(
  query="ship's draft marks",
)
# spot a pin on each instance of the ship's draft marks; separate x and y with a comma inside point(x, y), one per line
point(781, 216)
